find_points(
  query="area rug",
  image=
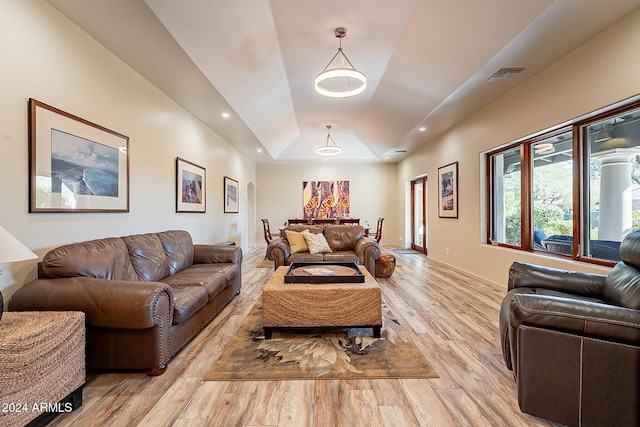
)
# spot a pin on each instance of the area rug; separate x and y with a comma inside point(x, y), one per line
point(347, 353)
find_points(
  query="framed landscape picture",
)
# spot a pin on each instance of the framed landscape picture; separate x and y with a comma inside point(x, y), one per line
point(190, 187)
point(448, 191)
point(75, 165)
point(230, 195)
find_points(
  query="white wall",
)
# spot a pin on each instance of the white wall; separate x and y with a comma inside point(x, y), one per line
point(372, 188)
point(601, 72)
point(46, 57)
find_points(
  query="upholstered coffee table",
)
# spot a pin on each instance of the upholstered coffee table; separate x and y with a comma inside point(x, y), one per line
point(304, 305)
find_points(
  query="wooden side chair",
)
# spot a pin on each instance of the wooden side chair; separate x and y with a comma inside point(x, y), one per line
point(268, 236)
point(377, 236)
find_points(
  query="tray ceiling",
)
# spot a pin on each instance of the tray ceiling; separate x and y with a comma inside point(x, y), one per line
point(427, 63)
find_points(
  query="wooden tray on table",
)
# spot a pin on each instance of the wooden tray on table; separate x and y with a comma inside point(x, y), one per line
point(321, 272)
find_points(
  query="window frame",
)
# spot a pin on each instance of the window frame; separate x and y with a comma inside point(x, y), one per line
point(580, 191)
point(491, 194)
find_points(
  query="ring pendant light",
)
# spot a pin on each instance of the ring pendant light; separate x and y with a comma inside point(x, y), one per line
point(328, 81)
point(330, 148)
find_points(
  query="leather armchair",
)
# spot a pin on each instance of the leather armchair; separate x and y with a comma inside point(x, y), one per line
point(572, 341)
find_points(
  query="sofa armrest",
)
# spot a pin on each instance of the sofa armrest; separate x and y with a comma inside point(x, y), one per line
point(106, 303)
point(368, 250)
point(361, 245)
point(214, 254)
point(580, 317)
point(278, 250)
point(522, 274)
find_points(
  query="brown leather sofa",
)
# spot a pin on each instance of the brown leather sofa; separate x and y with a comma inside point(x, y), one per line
point(573, 341)
point(144, 296)
point(347, 242)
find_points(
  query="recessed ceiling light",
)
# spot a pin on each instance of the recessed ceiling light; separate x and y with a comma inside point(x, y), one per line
point(422, 128)
point(259, 150)
point(225, 114)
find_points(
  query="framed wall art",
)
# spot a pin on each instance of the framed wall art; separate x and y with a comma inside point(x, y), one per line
point(448, 191)
point(191, 188)
point(75, 165)
point(230, 195)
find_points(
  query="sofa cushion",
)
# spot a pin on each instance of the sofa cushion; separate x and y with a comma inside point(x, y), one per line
point(343, 237)
point(315, 229)
point(102, 259)
point(228, 270)
point(297, 242)
point(187, 300)
point(316, 242)
point(178, 247)
point(212, 282)
point(147, 256)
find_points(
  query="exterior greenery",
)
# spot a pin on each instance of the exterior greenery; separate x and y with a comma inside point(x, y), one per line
point(553, 201)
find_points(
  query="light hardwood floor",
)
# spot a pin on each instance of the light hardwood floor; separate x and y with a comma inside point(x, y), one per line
point(453, 319)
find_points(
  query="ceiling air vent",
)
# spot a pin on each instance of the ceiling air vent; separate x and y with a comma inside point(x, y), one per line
point(400, 151)
point(505, 73)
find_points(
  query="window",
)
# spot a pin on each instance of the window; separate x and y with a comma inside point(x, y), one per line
point(506, 214)
point(573, 191)
point(552, 193)
point(612, 183)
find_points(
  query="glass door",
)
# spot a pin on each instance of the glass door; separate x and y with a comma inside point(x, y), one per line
point(419, 215)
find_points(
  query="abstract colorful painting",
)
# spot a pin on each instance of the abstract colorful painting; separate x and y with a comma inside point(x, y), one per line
point(325, 199)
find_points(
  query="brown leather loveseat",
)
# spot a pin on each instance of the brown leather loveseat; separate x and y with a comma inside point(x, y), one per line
point(573, 341)
point(144, 296)
point(347, 242)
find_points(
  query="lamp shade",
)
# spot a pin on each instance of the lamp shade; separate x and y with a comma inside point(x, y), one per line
point(11, 250)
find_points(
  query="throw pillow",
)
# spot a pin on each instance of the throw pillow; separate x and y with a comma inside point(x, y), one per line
point(297, 242)
point(316, 242)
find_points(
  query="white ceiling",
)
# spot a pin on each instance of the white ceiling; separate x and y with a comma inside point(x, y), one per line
point(427, 62)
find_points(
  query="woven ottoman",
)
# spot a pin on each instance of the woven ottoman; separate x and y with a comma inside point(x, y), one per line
point(303, 305)
point(42, 366)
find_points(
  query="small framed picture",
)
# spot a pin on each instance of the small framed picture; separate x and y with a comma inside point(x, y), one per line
point(75, 165)
point(230, 195)
point(191, 188)
point(448, 191)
